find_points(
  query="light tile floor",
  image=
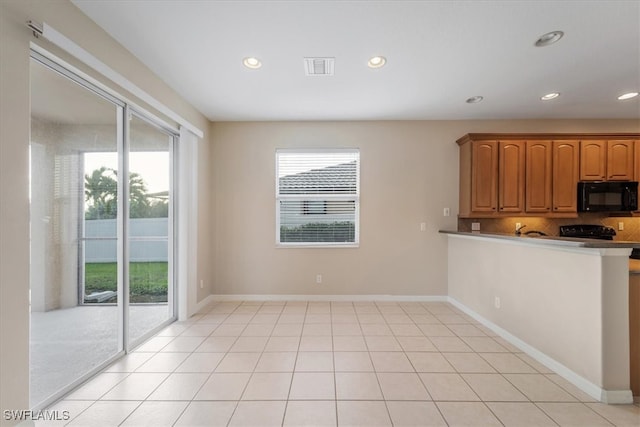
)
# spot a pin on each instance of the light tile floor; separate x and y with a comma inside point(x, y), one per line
point(327, 364)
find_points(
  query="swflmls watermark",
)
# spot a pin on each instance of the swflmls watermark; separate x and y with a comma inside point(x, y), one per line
point(29, 415)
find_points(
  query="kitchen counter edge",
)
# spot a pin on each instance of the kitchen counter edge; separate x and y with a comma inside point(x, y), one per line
point(551, 240)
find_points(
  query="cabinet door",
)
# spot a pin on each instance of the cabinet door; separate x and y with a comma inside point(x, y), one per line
point(565, 175)
point(484, 175)
point(593, 160)
point(636, 156)
point(538, 172)
point(511, 176)
point(620, 160)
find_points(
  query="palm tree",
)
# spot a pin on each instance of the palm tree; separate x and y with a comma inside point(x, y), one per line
point(138, 200)
point(101, 191)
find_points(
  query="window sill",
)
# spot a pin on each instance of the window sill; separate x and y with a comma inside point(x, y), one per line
point(316, 246)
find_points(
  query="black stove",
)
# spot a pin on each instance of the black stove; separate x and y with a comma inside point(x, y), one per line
point(587, 231)
point(591, 231)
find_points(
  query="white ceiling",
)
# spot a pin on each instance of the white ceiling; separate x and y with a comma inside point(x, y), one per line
point(439, 53)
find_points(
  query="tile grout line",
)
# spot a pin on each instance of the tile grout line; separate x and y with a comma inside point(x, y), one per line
point(295, 362)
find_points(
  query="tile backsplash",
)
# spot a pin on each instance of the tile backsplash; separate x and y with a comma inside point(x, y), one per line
point(551, 226)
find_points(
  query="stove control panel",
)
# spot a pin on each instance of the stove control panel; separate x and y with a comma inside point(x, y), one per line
point(587, 231)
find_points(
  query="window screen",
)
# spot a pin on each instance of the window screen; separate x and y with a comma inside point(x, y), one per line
point(317, 194)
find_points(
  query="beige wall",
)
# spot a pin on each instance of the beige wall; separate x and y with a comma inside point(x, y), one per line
point(14, 163)
point(409, 173)
point(397, 193)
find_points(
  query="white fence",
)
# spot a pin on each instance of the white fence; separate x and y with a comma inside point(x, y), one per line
point(148, 240)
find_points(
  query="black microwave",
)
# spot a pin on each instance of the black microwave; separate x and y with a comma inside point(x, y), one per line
point(611, 196)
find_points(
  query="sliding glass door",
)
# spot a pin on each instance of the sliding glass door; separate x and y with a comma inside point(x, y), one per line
point(101, 271)
point(73, 130)
point(150, 230)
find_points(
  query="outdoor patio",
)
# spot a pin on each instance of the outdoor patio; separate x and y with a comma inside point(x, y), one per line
point(65, 344)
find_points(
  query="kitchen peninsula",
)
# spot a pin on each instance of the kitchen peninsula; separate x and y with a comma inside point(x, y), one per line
point(563, 301)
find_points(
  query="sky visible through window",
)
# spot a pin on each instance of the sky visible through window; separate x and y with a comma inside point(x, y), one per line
point(151, 166)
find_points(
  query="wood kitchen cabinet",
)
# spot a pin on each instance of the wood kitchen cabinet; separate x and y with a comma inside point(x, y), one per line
point(566, 173)
point(552, 170)
point(484, 176)
point(511, 176)
point(593, 160)
point(538, 176)
point(620, 160)
point(496, 181)
point(611, 160)
point(636, 156)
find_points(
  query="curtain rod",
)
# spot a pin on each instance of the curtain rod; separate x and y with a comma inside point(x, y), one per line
point(60, 40)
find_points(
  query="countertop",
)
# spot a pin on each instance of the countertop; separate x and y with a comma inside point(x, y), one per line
point(553, 240)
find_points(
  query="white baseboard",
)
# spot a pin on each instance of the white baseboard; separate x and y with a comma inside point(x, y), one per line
point(337, 298)
point(616, 397)
point(202, 304)
point(598, 393)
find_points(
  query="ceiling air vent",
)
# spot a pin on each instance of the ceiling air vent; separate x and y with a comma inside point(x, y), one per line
point(319, 66)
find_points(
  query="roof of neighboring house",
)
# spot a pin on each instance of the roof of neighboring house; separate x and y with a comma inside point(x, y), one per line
point(339, 179)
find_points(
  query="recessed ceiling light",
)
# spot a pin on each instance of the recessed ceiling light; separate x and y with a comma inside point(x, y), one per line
point(549, 38)
point(377, 62)
point(474, 99)
point(627, 96)
point(251, 62)
point(550, 96)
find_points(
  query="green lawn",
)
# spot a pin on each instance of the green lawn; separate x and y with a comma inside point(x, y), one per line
point(148, 280)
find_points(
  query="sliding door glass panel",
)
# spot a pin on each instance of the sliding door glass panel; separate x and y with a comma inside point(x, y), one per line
point(149, 228)
point(75, 321)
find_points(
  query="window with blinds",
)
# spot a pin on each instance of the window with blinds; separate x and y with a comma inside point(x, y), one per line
point(317, 197)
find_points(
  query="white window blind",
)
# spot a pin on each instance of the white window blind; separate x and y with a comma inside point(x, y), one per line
point(317, 194)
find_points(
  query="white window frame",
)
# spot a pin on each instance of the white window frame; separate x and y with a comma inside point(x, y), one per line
point(320, 197)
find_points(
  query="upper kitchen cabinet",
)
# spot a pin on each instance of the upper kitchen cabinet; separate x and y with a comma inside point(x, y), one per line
point(491, 177)
point(482, 162)
point(478, 178)
point(511, 176)
point(566, 173)
point(636, 156)
point(620, 160)
point(593, 160)
point(606, 160)
point(539, 176)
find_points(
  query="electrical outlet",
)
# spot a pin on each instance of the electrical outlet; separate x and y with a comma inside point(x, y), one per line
point(319, 278)
point(423, 226)
point(201, 284)
point(446, 212)
point(518, 225)
point(496, 302)
point(475, 226)
point(620, 226)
